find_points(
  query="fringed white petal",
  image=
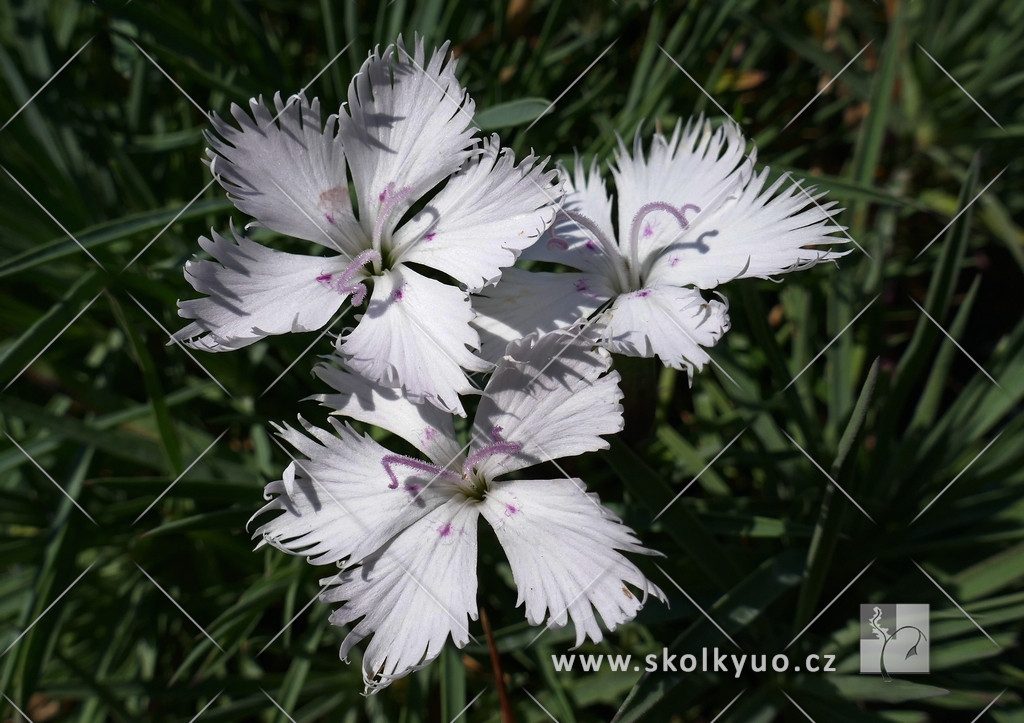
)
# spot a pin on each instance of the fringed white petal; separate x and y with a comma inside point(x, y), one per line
point(693, 172)
point(526, 302)
point(416, 335)
point(482, 219)
point(412, 595)
point(569, 241)
point(254, 292)
point(672, 323)
point(337, 502)
point(426, 427)
point(287, 171)
point(757, 232)
point(564, 550)
point(552, 394)
point(406, 127)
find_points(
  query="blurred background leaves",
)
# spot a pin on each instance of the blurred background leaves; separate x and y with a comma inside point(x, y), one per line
point(121, 599)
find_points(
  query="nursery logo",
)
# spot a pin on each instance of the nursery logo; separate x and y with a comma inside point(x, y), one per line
point(894, 639)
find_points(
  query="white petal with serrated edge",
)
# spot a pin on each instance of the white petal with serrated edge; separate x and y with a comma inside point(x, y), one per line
point(482, 219)
point(426, 427)
point(336, 504)
point(758, 232)
point(567, 241)
point(673, 323)
point(529, 301)
point(288, 174)
point(408, 123)
point(564, 550)
point(411, 595)
point(254, 292)
point(554, 395)
point(694, 171)
point(416, 335)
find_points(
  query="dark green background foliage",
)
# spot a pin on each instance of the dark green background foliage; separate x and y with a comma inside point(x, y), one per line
point(763, 541)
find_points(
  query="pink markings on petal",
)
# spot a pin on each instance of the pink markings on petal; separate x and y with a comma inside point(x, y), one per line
point(591, 246)
point(643, 294)
point(673, 261)
point(333, 201)
point(510, 510)
point(648, 230)
point(430, 236)
point(429, 433)
point(445, 529)
point(581, 285)
point(324, 278)
point(557, 244)
point(399, 293)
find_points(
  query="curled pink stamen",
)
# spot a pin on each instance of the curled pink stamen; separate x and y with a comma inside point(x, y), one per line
point(499, 446)
point(389, 199)
point(392, 460)
point(343, 282)
point(679, 214)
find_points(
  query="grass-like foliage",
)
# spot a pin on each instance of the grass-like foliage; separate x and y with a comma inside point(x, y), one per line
point(122, 599)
